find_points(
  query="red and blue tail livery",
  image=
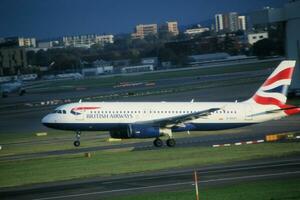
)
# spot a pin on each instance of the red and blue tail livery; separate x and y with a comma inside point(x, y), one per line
point(157, 119)
point(275, 88)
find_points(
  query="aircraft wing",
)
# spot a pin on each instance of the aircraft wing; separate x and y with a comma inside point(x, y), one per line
point(173, 121)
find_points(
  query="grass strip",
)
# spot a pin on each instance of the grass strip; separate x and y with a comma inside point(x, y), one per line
point(269, 190)
point(108, 163)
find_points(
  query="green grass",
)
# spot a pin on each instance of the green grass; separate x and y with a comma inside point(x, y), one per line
point(108, 163)
point(111, 81)
point(288, 189)
point(16, 143)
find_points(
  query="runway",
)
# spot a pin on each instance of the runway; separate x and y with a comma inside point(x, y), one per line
point(210, 176)
point(80, 92)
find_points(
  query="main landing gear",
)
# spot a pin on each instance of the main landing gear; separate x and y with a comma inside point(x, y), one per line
point(170, 142)
point(77, 141)
point(159, 143)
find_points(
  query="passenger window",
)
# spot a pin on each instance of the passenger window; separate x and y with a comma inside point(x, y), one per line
point(64, 112)
point(59, 111)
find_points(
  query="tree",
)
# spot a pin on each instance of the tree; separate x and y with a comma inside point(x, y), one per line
point(263, 48)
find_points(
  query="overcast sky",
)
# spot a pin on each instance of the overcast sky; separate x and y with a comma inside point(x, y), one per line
point(53, 18)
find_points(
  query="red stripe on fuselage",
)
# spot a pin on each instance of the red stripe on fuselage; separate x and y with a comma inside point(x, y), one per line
point(85, 108)
point(284, 74)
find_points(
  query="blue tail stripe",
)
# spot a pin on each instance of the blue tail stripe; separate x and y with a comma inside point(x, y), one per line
point(279, 89)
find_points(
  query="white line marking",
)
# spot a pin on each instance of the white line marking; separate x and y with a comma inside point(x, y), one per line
point(238, 143)
point(170, 184)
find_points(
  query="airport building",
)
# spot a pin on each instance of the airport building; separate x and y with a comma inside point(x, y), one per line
point(255, 37)
point(86, 41)
point(143, 30)
point(139, 68)
point(11, 60)
point(20, 42)
point(289, 15)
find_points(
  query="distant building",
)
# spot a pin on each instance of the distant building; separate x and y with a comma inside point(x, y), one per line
point(143, 30)
point(242, 23)
point(104, 39)
point(149, 61)
point(11, 60)
point(27, 42)
point(227, 22)
point(255, 37)
point(195, 31)
point(87, 40)
point(219, 22)
point(170, 27)
point(20, 42)
point(140, 68)
point(95, 71)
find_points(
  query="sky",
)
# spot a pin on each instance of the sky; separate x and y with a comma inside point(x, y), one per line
point(55, 18)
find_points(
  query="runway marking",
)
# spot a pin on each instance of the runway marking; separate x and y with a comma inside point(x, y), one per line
point(170, 184)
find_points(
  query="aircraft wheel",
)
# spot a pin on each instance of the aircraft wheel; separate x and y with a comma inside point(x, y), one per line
point(171, 142)
point(77, 143)
point(158, 142)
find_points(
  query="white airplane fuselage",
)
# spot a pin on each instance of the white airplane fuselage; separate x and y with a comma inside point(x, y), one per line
point(96, 116)
point(155, 119)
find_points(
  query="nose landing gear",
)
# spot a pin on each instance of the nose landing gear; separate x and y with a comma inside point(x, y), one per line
point(77, 141)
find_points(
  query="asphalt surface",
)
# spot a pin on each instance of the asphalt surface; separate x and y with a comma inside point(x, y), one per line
point(171, 180)
point(77, 93)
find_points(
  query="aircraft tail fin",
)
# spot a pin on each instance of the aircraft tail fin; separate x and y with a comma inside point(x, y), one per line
point(274, 90)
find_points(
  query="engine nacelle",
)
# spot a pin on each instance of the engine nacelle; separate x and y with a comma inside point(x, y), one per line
point(122, 132)
point(137, 131)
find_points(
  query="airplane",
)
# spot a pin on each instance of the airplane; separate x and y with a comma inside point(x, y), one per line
point(126, 120)
point(13, 87)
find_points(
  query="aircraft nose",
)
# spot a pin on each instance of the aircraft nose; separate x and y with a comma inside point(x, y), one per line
point(46, 120)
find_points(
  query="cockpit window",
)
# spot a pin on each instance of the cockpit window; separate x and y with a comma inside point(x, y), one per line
point(60, 111)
